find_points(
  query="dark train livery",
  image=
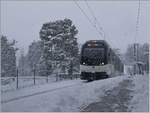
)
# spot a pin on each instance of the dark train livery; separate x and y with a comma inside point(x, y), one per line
point(98, 59)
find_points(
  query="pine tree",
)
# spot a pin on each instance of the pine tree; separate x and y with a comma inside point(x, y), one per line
point(60, 44)
point(21, 64)
point(8, 57)
point(34, 57)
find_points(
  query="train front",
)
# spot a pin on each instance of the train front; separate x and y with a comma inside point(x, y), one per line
point(93, 60)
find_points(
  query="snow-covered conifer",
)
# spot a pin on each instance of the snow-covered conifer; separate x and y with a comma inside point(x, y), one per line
point(60, 44)
point(8, 57)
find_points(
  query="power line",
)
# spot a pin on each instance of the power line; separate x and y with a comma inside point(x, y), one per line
point(90, 21)
point(83, 13)
point(98, 23)
point(96, 20)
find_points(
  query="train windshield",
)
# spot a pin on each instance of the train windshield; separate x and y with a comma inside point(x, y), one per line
point(93, 56)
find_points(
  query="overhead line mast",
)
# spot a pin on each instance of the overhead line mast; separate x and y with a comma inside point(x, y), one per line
point(137, 21)
point(136, 31)
point(135, 38)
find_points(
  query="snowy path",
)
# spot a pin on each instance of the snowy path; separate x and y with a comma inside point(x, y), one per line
point(115, 100)
point(131, 95)
point(140, 100)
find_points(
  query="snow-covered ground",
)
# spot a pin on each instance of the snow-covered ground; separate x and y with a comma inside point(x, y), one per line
point(36, 90)
point(72, 98)
point(140, 100)
point(10, 83)
point(72, 95)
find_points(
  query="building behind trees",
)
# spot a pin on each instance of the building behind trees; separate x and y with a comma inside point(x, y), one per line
point(137, 55)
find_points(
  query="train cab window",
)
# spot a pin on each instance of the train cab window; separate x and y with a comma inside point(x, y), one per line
point(93, 56)
point(94, 52)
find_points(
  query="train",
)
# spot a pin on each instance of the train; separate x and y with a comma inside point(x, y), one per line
point(98, 60)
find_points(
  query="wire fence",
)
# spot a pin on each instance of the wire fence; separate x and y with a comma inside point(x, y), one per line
point(18, 82)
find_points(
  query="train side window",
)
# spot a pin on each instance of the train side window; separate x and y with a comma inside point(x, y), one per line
point(109, 54)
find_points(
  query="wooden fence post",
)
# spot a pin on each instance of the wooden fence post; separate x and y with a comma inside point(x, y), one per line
point(34, 75)
point(17, 79)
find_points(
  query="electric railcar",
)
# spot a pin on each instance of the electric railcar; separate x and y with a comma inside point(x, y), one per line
point(99, 60)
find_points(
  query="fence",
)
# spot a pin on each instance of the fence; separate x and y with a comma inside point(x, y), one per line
point(13, 83)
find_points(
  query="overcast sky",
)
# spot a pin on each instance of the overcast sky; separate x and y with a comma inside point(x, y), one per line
point(22, 20)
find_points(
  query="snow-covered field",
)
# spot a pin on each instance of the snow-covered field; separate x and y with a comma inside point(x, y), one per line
point(36, 90)
point(72, 95)
point(10, 83)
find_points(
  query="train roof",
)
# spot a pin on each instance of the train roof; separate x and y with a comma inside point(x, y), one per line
point(105, 44)
point(97, 41)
